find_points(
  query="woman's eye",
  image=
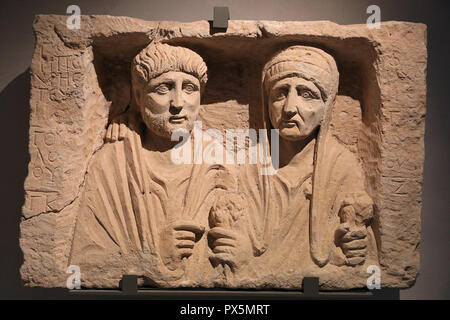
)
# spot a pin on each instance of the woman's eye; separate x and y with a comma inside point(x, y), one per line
point(162, 89)
point(190, 88)
point(279, 95)
point(308, 94)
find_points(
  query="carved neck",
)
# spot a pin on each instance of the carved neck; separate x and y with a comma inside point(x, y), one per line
point(153, 142)
point(290, 149)
point(159, 155)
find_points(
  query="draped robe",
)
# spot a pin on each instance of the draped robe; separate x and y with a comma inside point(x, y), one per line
point(285, 223)
point(126, 206)
point(127, 203)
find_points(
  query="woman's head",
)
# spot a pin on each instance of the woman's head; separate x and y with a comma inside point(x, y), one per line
point(300, 84)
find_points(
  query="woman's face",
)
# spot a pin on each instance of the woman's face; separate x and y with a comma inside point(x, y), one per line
point(296, 107)
point(169, 102)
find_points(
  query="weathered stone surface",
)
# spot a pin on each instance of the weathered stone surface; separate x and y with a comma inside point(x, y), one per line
point(347, 194)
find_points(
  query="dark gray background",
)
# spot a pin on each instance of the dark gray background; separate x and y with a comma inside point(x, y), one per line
point(15, 58)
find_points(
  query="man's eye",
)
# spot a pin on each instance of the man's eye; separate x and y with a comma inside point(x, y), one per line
point(189, 87)
point(162, 89)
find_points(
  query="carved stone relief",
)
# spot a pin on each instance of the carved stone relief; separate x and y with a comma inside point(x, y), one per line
point(245, 159)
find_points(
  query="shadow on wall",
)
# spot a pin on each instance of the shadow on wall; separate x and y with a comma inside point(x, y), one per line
point(15, 112)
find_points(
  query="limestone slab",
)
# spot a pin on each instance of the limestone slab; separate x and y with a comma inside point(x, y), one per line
point(346, 195)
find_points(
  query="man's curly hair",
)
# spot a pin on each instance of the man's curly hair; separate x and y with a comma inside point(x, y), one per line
point(158, 58)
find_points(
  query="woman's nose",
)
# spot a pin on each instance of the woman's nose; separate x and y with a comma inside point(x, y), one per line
point(291, 104)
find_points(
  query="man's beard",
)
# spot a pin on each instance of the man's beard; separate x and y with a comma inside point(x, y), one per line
point(163, 128)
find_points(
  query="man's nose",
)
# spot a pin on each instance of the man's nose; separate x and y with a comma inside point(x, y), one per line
point(176, 101)
point(291, 104)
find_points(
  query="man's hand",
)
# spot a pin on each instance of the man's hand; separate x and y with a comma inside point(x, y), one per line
point(117, 129)
point(121, 125)
point(353, 242)
point(178, 241)
point(229, 247)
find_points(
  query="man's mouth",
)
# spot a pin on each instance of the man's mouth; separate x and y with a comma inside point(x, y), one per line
point(177, 119)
